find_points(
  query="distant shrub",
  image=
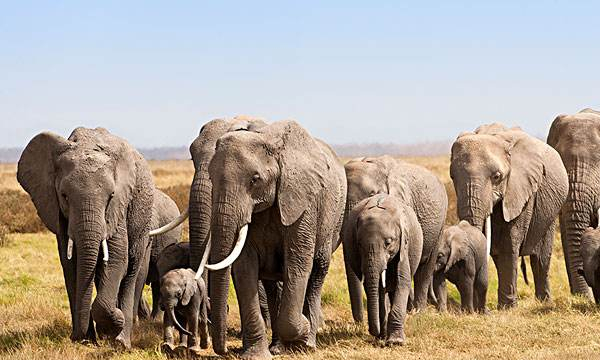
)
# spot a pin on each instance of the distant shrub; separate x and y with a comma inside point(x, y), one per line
point(18, 214)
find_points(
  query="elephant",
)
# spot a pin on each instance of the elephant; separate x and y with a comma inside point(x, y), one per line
point(184, 297)
point(590, 255)
point(163, 211)
point(576, 138)
point(462, 259)
point(417, 187)
point(383, 236)
point(278, 199)
point(95, 192)
point(516, 185)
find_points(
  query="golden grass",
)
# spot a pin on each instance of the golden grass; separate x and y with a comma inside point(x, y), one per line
point(35, 320)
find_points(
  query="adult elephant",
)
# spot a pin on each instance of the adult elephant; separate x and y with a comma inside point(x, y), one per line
point(577, 140)
point(418, 188)
point(278, 198)
point(94, 191)
point(519, 184)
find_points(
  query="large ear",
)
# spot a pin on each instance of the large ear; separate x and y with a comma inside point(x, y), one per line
point(527, 169)
point(190, 288)
point(125, 171)
point(459, 243)
point(36, 174)
point(303, 167)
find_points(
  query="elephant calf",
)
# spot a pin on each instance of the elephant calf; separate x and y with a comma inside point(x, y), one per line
point(462, 259)
point(590, 254)
point(184, 298)
point(383, 236)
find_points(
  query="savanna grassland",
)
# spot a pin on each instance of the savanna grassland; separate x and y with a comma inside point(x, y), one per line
point(35, 321)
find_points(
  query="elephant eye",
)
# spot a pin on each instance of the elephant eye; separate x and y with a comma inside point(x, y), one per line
point(372, 193)
point(497, 176)
point(65, 197)
point(387, 242)
point(254, 179)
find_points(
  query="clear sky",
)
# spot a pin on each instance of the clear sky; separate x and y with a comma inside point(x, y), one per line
point(371, 71)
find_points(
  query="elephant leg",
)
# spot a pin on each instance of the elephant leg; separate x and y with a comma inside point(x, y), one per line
point(193, 343)
point(422, 281)
point(354, 288)
point(480, 290)
point(168, 346)
point(273, 290)
point(203, 325)
point(264, 306)
point(397, 313)
point(506, 264)
point(245, 281)
point(156, 312)
point(140, 281)
point(465, 288)
point(312, 308)
point(441, 292)
point(540, 265)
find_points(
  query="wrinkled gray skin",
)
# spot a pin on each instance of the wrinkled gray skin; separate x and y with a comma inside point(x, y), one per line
point(525, 183)
point(163, 211)
point(185, 302)
point(462, 259)
point(590, 256)
point(291, 189)
point(577, 140)
point(383, 233)
point(417, 187)
point(90, 187)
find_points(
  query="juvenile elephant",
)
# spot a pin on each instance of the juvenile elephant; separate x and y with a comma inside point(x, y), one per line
point(462, 259)
point(278, 197)
point(385, 240)
point(418, 188)
point(590, 255)
point(95, 192)
point(519, 184)
point(163, 211)
point(184, 297)
point(577, 140)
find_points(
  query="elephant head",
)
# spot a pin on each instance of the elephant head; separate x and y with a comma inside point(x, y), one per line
point(81, 188)
point(590, 254)
point(279, 166)
point(495, 166)
point(380, 229)
point(454, 247)
point(577, 140)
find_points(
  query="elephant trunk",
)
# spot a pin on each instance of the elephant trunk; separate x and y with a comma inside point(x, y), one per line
point(372, 288)
point(473, 203)
point(575, 217)
point(199, 214)
point(88, 240)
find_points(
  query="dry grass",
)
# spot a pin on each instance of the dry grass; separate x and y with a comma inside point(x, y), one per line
point(35, 320)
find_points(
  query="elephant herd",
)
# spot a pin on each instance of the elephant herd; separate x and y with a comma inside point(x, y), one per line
point(268, 206)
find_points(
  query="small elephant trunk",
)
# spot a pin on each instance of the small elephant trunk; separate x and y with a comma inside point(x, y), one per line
point(171, 313)
point(372, 280)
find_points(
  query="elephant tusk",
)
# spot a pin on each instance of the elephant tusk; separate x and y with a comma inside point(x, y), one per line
point(383, 279)
point(170, 226)
point(105, 251)
point(70, 249)
point(204, 259)
point(237, 250)
point(488, 233)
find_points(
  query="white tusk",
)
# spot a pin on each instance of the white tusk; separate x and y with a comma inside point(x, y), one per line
point(598, 226)
point(170, 226)
point(488, 233)
point(237, 250)
point(70, 249)
point(383, 279)
point(105, 250)
point(204, 259)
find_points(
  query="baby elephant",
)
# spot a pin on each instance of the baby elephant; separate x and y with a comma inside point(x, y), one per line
point(590, 254)
point(383, 242)
point(462, 259)
point(183, 298)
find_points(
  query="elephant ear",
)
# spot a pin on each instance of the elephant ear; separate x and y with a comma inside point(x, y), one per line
point(189, 289)
point(411, 231)
point(125, 170)
point(36, 174)
point(526, 171)
point(303, 166)
point(459, 243)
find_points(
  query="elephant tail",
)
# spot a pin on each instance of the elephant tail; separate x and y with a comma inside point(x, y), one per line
point(524, 270)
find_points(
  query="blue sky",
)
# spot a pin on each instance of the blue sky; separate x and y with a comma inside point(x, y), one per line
point(373, 71)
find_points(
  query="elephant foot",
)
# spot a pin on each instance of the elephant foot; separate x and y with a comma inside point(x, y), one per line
point(167, 348)
point(507, 306)
point(180, 350)
point(123, 342)
point(277, 348)
point(195, 352)
point(204, 343)
point(395, 340)
point(484, 311)
point(256, 352)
